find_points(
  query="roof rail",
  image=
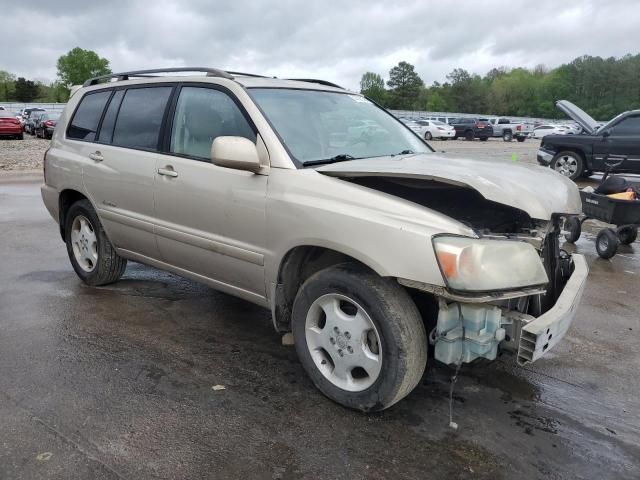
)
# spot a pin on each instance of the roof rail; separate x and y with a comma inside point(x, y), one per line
point(312, 80)
point(211, 72)
point(242, 74)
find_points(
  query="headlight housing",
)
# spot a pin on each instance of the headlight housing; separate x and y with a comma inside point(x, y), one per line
point(481, 265)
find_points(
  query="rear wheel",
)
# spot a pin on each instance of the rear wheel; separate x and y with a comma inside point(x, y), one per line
point(92, 256)
point(428, 136)
point(521, 139)
point(484, 139)
point(607, 243)
point(20, 136)
point(568, 164)
point(507, 136)
point(627, 234)
point(359, 337)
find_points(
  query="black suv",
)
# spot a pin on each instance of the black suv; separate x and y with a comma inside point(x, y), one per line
point(580, 155)
point(471, 128)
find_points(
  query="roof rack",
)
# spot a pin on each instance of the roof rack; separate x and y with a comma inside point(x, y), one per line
point(211, 72)
point(313, 80)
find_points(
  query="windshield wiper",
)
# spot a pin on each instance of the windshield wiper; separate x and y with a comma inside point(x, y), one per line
point(343, 157)
point(405, 152)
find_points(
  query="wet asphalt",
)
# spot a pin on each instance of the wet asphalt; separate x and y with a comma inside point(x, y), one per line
point(116, 383)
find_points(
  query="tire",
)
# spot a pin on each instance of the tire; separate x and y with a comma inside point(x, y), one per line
point(507, 136)
point(607, 243)
point(569, 164)
point(484, 139)
point(428, 136)
point(627, 234)
point(21, 136)
point(455, 137)
point(468, 135)
point(574, 228)
point(521, 139)
point(393, 333)
point(92, 256)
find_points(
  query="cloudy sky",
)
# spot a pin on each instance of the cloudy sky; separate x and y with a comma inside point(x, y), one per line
point(333, 40)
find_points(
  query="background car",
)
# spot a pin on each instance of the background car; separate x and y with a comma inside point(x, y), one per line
point(436, 129)
point(544, 130)
point(26, 115)
point(471, 128)
point(30, 124)
point(45, 123)
point(10, 125)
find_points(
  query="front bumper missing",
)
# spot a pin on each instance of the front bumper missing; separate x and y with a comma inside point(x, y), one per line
point(544, 157)
point(539, 335)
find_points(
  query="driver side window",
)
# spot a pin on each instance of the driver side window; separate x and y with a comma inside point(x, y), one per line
point(630, 126)
point(202, 115)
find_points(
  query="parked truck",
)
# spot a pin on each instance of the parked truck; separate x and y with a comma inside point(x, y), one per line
point(508, 130)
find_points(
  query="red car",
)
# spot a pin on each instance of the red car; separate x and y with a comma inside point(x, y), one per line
point(10, 126)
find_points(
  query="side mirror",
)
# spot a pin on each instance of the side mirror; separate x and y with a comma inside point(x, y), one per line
point(235, 152)
point(606, 134)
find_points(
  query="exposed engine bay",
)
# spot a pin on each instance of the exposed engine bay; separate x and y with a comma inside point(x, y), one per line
point(468, 328)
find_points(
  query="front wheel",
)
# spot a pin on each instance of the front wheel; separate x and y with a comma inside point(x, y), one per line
point(573, 229)
point(507, 136)
point(484, 139)
point(359, 337)
point(428, 136)
point(521, 139)
point(468, 135)
point(92, 256)
point(568, 164)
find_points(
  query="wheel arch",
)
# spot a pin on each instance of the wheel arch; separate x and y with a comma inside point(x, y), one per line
point(67, 198)
point(297, 265)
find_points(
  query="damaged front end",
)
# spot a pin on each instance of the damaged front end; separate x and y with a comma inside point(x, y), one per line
point(526, 311)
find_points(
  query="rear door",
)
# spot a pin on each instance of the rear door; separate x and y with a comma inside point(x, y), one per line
point(210, 219)
point(119, 171)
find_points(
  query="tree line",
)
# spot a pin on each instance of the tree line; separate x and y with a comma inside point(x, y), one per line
point(73, 68)
point(603, 87)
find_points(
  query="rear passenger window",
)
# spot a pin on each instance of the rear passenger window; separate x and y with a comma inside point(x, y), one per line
point(202, 114)
point(106, 130)
point(140, 117)
point(87, 117)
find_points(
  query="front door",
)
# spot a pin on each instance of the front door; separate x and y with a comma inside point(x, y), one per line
point(210, 219)
point(624, 141)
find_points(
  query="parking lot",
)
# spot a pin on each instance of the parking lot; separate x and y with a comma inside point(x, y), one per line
point(126, 381)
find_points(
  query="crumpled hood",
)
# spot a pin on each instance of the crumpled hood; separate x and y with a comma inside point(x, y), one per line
point(539, 191)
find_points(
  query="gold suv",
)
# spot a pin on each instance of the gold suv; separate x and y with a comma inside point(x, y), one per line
point(313, 201)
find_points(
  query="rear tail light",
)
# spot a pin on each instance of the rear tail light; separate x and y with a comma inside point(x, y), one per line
point(519, 127)
point(49, 123)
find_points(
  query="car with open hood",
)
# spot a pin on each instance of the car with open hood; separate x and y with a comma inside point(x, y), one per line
point(368, 247)
point(582, 154)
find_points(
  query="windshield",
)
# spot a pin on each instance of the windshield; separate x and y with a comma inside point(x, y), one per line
point(317, 125)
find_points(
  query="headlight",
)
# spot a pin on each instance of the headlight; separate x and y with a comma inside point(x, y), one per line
point(474, 264)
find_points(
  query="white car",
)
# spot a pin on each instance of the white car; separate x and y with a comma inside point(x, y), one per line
point(436, 129)
point(544, 130)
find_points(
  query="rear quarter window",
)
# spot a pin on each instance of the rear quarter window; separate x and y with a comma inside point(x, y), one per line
point(86, 118)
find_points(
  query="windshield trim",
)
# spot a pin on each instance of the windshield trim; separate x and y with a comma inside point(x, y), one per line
point(299, 164)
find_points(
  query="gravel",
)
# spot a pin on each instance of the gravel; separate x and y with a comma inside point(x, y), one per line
point(27, 154)
point(24, 154)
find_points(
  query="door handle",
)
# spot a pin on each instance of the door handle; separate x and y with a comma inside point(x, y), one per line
point(168, 171)
point(96, 156)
